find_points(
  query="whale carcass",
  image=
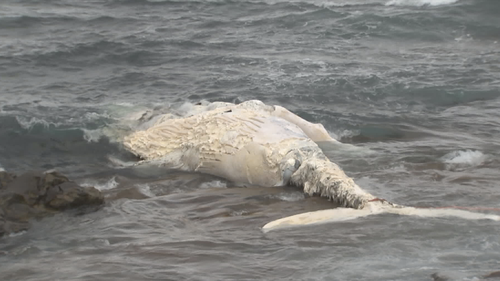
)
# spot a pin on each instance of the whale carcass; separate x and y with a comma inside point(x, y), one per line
point(264, 145)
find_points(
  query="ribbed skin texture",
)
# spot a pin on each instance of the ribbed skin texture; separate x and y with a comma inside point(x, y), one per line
point(321, 177)
point(250, 143)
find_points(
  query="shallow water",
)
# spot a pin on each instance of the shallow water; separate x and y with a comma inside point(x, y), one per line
point(414, 83)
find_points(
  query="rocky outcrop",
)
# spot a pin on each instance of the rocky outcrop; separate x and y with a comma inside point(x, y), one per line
point(34, 195)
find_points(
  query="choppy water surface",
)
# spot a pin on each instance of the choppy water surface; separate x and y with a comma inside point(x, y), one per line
point(416, 82)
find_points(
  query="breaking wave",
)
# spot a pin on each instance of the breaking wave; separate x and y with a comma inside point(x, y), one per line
point(101, 185)
point(420, 2)
point(464, 158)
point(29, 123)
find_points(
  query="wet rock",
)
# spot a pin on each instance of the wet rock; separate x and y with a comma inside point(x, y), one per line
point(5, 178)
point(34, 195)
point(439, 277)
point(71, 195)
point(492, 275)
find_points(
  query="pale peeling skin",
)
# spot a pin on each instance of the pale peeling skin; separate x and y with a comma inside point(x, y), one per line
point(249, 143)
point(253, 143)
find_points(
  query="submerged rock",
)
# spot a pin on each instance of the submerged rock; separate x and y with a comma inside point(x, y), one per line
point(35, 195)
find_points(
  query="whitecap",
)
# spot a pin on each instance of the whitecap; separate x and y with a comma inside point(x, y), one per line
point(118, 163)
point(28, 124)
point(419, 2)
point(94, 116)
point(125, 104)
point(239, 213)
point(464, 158)
point(92, 135)
point(14, 234)
point(289, 196)
point(347, 134)
point(101, 186)
point(214, 184)
point(126, 111)
point(112, 133)
point(145, 189)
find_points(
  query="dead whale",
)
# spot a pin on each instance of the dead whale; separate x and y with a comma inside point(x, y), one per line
point(264, 145)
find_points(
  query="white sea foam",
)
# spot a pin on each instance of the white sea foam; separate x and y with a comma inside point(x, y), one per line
point(419, 2)
point(289, 197)
point(186, 109)
point(112, 133)
point(125, 111)
point(346, 134)
point(14, 234)
point(214, 184)
point(464, 158)
point(100, 185)
point(146, 190)
point(28, 124)
point(93, 116)
point(118, 163)
point(124, 118)
point(92, 135)
point(239, 213)
point(125, 104)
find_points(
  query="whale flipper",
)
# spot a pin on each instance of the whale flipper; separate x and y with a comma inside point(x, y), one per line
point(372, 208)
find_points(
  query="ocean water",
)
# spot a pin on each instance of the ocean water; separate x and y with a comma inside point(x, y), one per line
point(415, 82)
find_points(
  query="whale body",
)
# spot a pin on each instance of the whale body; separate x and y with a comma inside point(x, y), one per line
point(258, 144)
point(249, 143)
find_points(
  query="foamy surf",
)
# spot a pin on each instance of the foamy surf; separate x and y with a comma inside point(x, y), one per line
point(118, 163)
point(344, 214)
point(214, 184)
point(464, 158)
point(101, 186)
point(145, 189)
point(29, 123)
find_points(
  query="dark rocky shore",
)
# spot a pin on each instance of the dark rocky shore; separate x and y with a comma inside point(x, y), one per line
point(34, 195)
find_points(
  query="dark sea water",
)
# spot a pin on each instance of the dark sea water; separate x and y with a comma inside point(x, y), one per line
point(417, 82)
